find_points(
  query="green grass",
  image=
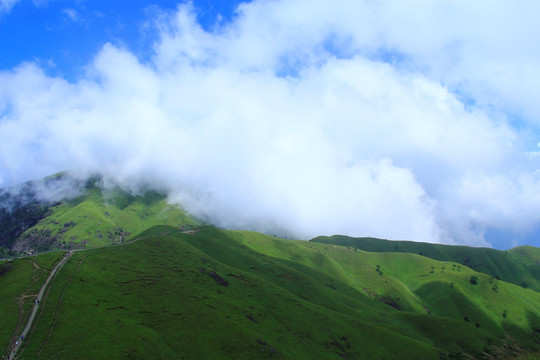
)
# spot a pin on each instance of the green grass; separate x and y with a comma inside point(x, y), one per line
point(164, 296)
point(105, 217)
point(20, 281)
point(520, 266)
point(423, 285)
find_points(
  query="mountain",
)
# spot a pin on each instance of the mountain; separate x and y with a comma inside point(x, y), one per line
point(520, 266)
point(82, 214)
point(143, 279)
point(208, 293)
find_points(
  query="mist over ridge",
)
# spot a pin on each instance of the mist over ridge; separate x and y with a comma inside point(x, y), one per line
point(296, 121)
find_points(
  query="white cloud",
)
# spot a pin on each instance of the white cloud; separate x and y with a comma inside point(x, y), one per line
point(289, 119)
point(71, 14)
point(41, 3)
point(7, 5)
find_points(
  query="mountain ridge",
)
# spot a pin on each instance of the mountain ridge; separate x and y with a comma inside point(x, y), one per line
point(520, 265)
point(83, 213)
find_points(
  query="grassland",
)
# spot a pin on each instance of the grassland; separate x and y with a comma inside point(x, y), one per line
point(101, 217)
point(233, 294)
point(20, 281)
point(520, 266)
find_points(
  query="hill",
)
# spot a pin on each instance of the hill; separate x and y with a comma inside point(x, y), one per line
point(210, 293)
point(83, 214)
point(520, 266)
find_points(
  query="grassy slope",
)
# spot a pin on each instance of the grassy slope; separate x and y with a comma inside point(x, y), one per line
point(160, 298)
point(520, 266)
point(104, 218)
point(424, 285)
point(20, 281)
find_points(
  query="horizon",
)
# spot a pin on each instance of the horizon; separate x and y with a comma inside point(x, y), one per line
point(366, 118)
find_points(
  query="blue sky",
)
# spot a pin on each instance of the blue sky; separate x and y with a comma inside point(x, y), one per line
point(63, 36)
point(297, 117)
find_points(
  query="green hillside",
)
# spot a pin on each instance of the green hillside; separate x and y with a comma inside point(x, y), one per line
point(213, 294)
point(520, 266)
point(20, 281)
point(97, 217)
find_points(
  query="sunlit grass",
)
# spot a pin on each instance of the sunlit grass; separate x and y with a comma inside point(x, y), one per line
point(233, 294)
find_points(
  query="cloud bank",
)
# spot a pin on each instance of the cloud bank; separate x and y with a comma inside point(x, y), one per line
point(401, 121)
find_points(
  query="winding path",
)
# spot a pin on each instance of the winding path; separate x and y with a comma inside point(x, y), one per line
point(37, 303)
point(49, 278)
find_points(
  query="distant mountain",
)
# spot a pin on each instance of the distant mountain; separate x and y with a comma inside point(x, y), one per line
point(213, 294)
point(520, 266)
point(60, 212)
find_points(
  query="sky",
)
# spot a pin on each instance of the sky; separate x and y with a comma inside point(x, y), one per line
point(411, 120)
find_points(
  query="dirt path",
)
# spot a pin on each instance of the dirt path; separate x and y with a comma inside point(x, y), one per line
point(25, 295)
point(37, 303)
point(57, 306)
point(49, 278)
point(36, 266)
